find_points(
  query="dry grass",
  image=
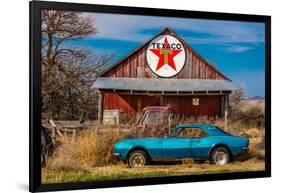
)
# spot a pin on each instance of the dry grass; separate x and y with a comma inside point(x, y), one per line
point(89, 156)
point(121, 171)
point(89, 149)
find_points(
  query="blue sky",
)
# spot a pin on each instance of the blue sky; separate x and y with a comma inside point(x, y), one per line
point(235, 48)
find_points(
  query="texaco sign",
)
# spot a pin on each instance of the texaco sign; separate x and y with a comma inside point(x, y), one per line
point(165, 56)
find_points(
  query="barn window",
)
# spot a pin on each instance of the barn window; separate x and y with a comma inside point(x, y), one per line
point(195, 101)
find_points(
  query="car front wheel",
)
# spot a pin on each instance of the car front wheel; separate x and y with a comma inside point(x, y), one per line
point(220, 156)
point(137, 159)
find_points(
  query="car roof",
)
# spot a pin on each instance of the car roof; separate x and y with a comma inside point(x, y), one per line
point(155, 109)
point(201, 125)
point(210, 129)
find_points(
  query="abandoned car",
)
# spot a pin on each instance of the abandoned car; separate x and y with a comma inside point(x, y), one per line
point(197, 141)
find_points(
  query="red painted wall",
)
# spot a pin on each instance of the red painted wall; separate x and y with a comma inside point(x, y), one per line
point(209, 105)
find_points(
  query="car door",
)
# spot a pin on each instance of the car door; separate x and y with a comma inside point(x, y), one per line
point(200, 145)
point(178, 146)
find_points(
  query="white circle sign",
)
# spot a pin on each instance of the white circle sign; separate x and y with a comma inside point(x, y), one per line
point(165, 56)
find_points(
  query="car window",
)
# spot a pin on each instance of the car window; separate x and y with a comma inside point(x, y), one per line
point(192, 133)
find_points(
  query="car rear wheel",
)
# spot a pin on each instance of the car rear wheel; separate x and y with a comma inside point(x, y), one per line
point(220, 156)
point(137, 159)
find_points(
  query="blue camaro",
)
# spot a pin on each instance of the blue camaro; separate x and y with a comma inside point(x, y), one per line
point(198, 141)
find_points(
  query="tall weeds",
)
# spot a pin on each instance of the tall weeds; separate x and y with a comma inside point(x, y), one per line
point(89, 149)
point(94, 147)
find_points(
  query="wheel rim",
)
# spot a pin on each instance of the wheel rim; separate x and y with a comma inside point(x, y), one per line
point(221, 158)
point(137, 160)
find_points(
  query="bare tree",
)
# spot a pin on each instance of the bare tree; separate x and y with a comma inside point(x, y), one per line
point(68, 72)
point(235, 100)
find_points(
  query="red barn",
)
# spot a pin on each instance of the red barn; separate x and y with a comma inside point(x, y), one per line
point(164, 70)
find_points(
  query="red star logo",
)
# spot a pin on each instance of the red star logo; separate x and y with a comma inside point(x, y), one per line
point(166, 55)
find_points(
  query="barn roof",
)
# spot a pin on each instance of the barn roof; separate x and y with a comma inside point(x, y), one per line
point(163, 84)
point(169, 30)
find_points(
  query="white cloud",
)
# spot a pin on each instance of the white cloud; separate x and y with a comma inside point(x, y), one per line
point(128, 27)
point(238, 49)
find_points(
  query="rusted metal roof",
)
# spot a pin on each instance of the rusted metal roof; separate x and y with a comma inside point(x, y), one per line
point(163, 84)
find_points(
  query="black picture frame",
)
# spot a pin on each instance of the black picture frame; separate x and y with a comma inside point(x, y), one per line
point(35, 94)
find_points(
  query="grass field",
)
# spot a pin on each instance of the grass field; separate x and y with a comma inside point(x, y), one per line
point(121, 171)
point(63, 169)
point(88, 160)
point(89, 156)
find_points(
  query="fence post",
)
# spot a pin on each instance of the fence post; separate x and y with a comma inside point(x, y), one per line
point(100, 106)
point(226, 103)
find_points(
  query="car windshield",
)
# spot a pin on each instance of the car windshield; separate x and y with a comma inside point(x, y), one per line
point(152, 118)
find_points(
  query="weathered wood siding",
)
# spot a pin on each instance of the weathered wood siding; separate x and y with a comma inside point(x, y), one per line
point(128, 103)
point(209, 105)
point(136, 66)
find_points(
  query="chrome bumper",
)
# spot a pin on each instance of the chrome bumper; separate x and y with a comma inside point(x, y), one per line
point(245, 149)
point(117, 155)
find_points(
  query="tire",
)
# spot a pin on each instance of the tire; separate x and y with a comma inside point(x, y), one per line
point(220, 156)
point(137, 159)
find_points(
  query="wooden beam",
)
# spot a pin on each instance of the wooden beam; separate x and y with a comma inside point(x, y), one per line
point(165, 93)
point(222, 105)
point(161, 100)
point(169, 94)
point(139, 107)
point(100, 107)
point(226, 103)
